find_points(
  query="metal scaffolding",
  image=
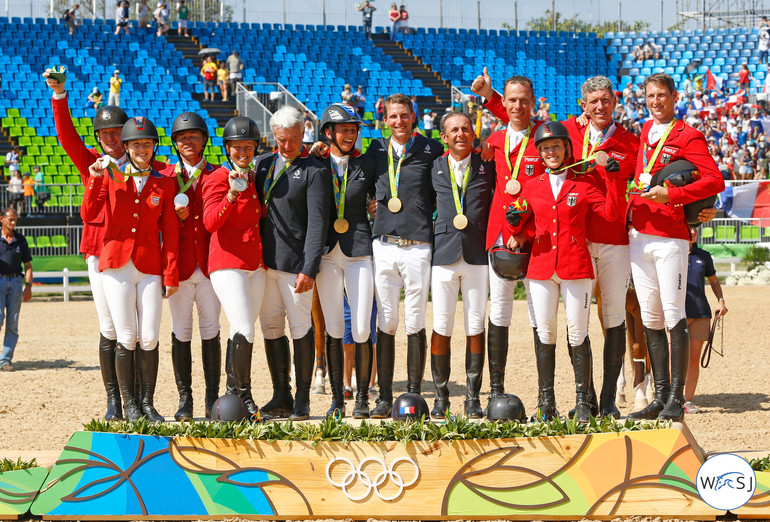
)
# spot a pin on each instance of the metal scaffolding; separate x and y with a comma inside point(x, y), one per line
point(721, 13)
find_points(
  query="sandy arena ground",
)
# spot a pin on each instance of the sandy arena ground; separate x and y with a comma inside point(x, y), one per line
point(57, 384)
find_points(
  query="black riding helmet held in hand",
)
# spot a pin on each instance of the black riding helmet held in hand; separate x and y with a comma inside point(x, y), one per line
point(240, 128)
point(108, 117)
point(339, 113)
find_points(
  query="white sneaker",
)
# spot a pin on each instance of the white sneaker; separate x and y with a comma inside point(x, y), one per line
point(689, 407)
point(640, 401)
point(318, 386)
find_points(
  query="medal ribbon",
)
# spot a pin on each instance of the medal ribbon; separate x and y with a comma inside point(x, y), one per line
point(604, 136)
point(182, 185)
point(589, 159)
point(649, 164)
point(120, 176)
point(394, 177)
point(269, 181)
point(514, 170)
point(459, 199)
point(339, 193)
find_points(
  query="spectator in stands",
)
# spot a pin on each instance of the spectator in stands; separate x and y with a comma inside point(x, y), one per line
point(700, 268)
point(427, 123)
point(347, 95)
point(415, 106)
point(308, 133)
point(687, 87)
point(235, 66)
point(183, 13)
point(543, 109)
point(359, 101)
point(121, 17)
point(12, 160)
point(142, 14)
point(764, 25)
point(763, 45)
point(395, 18)
point(15, 283)
point(209, 73)
point(223, 81)
point(16, 188)
point(379, 112)
point(744, 78)
point(404, 17)
point(161, 15)
point(115, 84)
point(29, 191)
point(457, 103)
point(367, 9)
point(651, 51)
point(40, 189)
point(71, 18)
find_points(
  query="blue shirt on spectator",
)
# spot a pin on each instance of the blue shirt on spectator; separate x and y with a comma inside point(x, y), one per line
point(700, 267)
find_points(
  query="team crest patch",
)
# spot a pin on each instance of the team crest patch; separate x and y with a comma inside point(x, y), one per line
point(572, 200)
point(529, 170)
point(155, 200)
point(665, 159)
point(481, 169)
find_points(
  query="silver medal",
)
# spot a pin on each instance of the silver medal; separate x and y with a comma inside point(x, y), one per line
point(181, 200)
point(240, 184)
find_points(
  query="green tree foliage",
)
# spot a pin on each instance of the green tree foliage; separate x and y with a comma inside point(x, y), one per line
point(574, 24)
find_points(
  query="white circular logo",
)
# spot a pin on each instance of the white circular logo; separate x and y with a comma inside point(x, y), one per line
point(357, 475)
point(726, 481)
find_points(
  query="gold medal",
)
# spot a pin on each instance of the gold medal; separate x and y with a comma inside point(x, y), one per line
point(394, 205)
point(513, 187)
point(341, 225)
point(460, 221)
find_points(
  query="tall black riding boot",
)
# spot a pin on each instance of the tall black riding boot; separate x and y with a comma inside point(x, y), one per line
point(304, 361)
point(181, 357)
point(230, 378)
point(278, 356)
point(592, 399)
point(107, 348)
point(497, 349)
point(364, 356)
point(416, 350)
point(440, 359)
point(474, 371)
point(546, 368)
point(335, 360)
point(386, 355)
point(582, 364)
point(614, 350)
point(211, 355)
point(148, 363)
point(126, 374)
point(242, 350)
point(680, 357)
point(657, 347)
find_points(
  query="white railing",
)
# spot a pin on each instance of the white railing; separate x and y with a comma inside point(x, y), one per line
point(732, 230)
point(247, 104)
point(53, 240)
point(53, 199)
point(65, 288)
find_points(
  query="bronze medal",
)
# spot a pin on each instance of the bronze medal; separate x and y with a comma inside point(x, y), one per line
point(341, 225)
point(394, 205)
point(460, 221)
point(513, 187)
point(601, 158)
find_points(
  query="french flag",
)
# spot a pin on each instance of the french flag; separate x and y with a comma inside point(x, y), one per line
point(750, 200)
point(405, 410)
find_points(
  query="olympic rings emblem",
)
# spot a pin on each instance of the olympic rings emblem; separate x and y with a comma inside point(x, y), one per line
point(387, 473)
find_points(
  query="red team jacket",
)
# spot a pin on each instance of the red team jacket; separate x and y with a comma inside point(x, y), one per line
point(559, 243)
point(234, 227)
point(667, 220)
point(501, 200)
point(624, 147)
point(194, 237)
point(135, 224)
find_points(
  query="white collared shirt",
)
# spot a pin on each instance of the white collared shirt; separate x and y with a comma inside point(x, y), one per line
point(398, 148)
point(139, 182)
point(557, 180)
point(191, 170)
point(458, 168)
point(280, 162)
point(656, 132)
point(516, 136)
point(340, 162)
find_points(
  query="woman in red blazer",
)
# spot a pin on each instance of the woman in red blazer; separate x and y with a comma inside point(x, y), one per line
point(135, 261)
point(559, 202)
point(232, 206)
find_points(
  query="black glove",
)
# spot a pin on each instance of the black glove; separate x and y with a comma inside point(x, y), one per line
point(513, 217)
point(612, 165)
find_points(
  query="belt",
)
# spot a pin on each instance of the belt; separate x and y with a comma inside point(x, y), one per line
point(11, 275)
point(400, 241)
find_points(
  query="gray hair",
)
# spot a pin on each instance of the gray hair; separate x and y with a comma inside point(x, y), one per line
point(285, 118)
point(596, 83)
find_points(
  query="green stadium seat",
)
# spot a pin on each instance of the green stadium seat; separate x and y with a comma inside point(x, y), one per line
point(13, 113)
point(73, 179)
point(38, 140)
point(161, 131)
point(766, 232)
point(33, 150)
point(20, 122)
point(90, 141)
point(43, 241)
point(750, 232)
point(60, 180)
point(55, 160)
point(25, 141)
point(59, 241)
point(165, 141)
point(368, 116)
point(725, 233)
point(77, 200)
point(27, 160)
point(29, 131)
point(86, 122)
point(55, 190)
point(51, 140)
point(31, 241)
point(46, 150)
point(220, 131)
point(7, 122)
point(707, 233)
point(15, 131)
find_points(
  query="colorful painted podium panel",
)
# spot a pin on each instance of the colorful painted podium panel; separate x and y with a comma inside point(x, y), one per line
point(759, 505)
point(600, 476)
point(18, 489)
